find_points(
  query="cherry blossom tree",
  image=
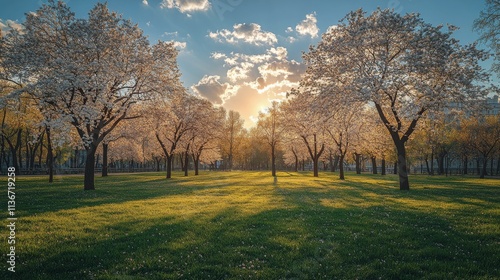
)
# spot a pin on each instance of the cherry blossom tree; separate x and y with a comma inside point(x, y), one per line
point(306, 118)
point(170, 121)
point(345, 129)
point(90, 71)
point(206, 130)
point(398, 64)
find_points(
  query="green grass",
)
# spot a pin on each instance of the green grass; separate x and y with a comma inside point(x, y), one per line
point(242, 225)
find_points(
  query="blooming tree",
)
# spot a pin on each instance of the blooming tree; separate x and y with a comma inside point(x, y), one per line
point(170, 121)
point(398, 64)
point(89, 71)
point(306, 119)
point(271, 127)
point(206, 131)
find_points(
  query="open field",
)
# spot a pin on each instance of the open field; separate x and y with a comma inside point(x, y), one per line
point(241, 225)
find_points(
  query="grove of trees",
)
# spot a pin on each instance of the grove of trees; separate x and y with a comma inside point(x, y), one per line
point(382, 91)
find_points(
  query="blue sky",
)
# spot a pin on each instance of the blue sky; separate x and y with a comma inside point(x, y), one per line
point(242, 54)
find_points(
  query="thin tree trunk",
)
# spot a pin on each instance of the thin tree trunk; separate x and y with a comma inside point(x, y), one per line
point(374, 165)
point(105, 147)
point(296, 160)
point(88, 180)
point(273, 161)
point(186, 161)
point(358, 163)
point(50, 155)
point(483, 169)
point(466, 165)
point(196, 161)
point(427, 165)
point(169, 166)
point(337, 163)
point(383, 166)
point(432, 163)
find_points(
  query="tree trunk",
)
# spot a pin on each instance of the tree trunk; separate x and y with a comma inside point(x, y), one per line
point(337, 162)
point(330, 160)
point(466, 165)
point(404, 183)
point(427, 165)
point(383, 166)
point(395, 171)
point(374, 165)
point(50, 156)
point(157, 161)
point(432, 164)
point(169, 166)
point(296, 160)
point(273, 161)
point(315, 167)
point(358, 163)
point(13, 150)
point(186, 162)
point(196, 161)
point(88, 180)
point(341, 168)
point(498, 165)
point(181, 159)
point(441, 162)
point(105, 159)
point(483, 169)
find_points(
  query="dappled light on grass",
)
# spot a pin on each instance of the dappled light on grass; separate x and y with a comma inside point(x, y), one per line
point(241, 225)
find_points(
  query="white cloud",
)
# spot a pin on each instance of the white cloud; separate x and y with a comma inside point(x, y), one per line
point(240, 72)
point(171, 34)
point(308, 26)
point(179, 45)
point(186, 6)
point(247, 32)
point(253, 81)
point(289, 29)
point(210, 88)
point(145, 2)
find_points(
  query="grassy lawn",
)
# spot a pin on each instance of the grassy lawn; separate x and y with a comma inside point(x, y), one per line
point(241, 225)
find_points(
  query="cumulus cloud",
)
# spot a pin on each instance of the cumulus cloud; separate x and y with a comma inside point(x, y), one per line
point(252, 82)
point(240, 72)
point(179, 45)
point(186, 6)
point(308, 26)
point(251, 33)
point(145, 2)
point(210, 88)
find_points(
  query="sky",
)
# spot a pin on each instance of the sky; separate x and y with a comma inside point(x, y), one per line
point(243, 54)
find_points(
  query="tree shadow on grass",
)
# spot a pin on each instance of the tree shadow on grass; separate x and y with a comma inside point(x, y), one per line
point(300, 239)
point(38, 197)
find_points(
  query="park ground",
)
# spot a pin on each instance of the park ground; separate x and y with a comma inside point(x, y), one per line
point(249, 225)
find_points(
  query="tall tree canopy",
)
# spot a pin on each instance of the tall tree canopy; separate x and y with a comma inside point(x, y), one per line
point(89, 72)
point(398, 64)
